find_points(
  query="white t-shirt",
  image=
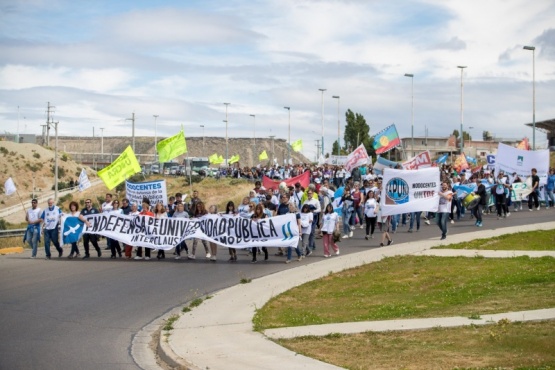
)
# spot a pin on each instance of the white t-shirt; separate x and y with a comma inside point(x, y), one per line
point(244, 210)
point(306, 219)
point(329, 221)
point(33, 214)
point(107, 207)
point(444, 204)
point(370, 208)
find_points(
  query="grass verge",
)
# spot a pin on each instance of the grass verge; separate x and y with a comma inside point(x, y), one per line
point(415, 286)
point(503, 345)
point(540, 240)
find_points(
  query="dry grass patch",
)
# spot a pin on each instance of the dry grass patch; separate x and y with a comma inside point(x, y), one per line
point(498, 346)
point(413, 287)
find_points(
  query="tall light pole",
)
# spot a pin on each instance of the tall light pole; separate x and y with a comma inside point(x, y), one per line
point(132, 119)
point(273, 154)
point(411, 111)
point(462, 107)
point(226, 143)
point(155, 136)
point(533, 48)
point(254, 138)
point(338, 125)
point(322, 90)
point(289, 137)
point(202, 139)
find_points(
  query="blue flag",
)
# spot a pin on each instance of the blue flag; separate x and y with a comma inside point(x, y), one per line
point(71, 229)
point(442, 159)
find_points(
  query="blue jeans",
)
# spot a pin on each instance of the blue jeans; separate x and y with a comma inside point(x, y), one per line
point(297, 249)
point(357, 212)
point(311, 243)
point(394, 221)
point(442, 223)
point(413, 216)
point(347, 212)
point(549, 195)
point(51, 235)
point(32, 237)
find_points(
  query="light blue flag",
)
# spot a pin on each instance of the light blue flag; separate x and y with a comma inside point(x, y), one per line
point(442, 159)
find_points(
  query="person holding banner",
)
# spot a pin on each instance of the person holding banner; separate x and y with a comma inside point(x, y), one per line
point(259, 215)
point(144, 212)
point(293, 209)
point(307, 218)
point(92, 238)
point(107, 207)
point(32, 234)
point(230, 211)
point(213, 210)
point(160, 212)
point(445, 197)
point(74, 212)
point(134, 211)
point(113, 243)
point(180, 213)
point(198, 212)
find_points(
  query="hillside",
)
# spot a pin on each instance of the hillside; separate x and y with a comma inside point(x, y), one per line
point(89, 149)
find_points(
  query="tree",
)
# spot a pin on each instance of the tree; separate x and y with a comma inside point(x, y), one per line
point(356, 133)
point(342, 151)
point(466, 135)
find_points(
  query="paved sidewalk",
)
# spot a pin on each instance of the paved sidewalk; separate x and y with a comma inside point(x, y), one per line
point(218, 334)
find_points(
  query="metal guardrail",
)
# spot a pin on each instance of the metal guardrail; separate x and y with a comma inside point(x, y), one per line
point(12, 233)
point(42, 198)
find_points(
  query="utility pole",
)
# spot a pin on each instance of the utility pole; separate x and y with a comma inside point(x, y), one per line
point(226, 142)
point(102, 140)
point(56, 162)
point(317, 148)
point(132, 119)
point(49, 110)
point(273, 154)
point(156, 137)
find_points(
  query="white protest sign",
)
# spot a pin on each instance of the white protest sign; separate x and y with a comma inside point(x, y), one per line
point(407, 191)
point(510, 160)
point(166, 233)
point(155, 191)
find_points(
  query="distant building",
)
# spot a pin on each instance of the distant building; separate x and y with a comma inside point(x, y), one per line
point(23, 138)
point(548, 127)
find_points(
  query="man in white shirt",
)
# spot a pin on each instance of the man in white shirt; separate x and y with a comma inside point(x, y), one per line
point(32, 233)
point(444, 208)
point(51, 218)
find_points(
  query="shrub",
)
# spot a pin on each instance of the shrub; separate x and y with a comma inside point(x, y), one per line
point(36, 155)
point(3, 150)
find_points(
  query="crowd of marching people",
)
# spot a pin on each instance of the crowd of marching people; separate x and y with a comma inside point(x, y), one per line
point(334, 204)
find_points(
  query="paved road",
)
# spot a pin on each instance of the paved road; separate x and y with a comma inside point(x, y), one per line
point(68, 314)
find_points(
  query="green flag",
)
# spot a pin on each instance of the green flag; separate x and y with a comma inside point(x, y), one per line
point(263, 156)
point(171, 147)
point(213, 159)
point(297, 146)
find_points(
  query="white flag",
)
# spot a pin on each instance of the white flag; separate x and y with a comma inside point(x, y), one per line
point(9, 187)
point(84, 182)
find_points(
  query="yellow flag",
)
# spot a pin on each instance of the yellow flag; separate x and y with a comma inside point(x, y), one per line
point(213, 158)
point(234, 159)
point(171, 147)
point(126, 165)
point(220, 160)
point(297, 146)
point(263, 156)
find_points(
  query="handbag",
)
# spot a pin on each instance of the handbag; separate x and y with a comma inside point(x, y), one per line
point(336, 236)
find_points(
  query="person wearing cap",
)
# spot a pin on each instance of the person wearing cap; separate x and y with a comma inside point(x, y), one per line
point(145, 212)
point(32, 234)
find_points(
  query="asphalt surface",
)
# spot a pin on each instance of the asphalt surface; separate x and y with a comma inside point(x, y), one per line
point(69, 314)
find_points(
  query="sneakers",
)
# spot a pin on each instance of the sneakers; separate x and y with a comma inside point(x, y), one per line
point(191, 257)
point(33, 257)
point(381, 245)
point(479, 224)
point(345, 236)
point(60, 253)
point(147, 258)
point(409, 230)
point(366, 237)
point(86, 257)
point(352, 227)
point(452, 221)
point(47, 258)
point(361, 226)
point(530, 210)
point(372, 236)
point(427, 222)
point(213, 258)
point(308, 252)
point(351, 234)
point(337, 252)
point(390, 241)
point(177, 258)
point(208, 255)
point(327, 256)
point(288, 261)
point(537, 209)
point(300, 258)
point(508, 214)
point(443, 237)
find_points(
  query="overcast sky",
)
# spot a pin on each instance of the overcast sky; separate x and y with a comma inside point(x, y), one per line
point(98, 62)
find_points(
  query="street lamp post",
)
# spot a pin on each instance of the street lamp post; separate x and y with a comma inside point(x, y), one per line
point(338, 125)
point(469, 128)
point(411, 111)
point(155, 136)
point(102, 141)
point(273, 154)
point(254, 137)
point(322, 90)
point(202, 139)
point(132, 119)
point(226, 142)
point(533, 48)
point(289, 137)
point(462, 107)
